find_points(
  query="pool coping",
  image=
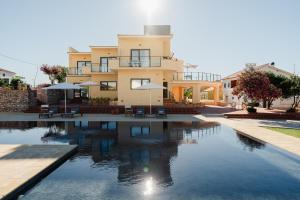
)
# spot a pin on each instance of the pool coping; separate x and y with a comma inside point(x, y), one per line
point(19, 189)
point(285, 142)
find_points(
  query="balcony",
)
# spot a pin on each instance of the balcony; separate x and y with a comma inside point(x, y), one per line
point(128, 62)
point(147, 61)
point(196, 76)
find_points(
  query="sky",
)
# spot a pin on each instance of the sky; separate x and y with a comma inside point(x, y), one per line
point(220, 36)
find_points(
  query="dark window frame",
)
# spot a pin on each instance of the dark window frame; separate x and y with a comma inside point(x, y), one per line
point(141, 79)
point(139, 56)
point(101, 82)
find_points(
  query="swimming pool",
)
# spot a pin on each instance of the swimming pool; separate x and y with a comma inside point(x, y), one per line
point(158, 160)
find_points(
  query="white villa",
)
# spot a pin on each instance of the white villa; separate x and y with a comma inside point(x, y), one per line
point(6, 75)
point(229, 82)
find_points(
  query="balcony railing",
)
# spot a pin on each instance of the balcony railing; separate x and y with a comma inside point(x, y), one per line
point(73, 71)
point(97, 68)
point(196, 76)
point(140, 61)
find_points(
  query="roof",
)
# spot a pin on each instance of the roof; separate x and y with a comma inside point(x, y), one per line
point(4, 70)
point(265, 67)
point(144, 36)
point(104, 47)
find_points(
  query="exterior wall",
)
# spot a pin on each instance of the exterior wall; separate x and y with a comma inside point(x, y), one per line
point(158, 46)
point(6, 75)
point(128, 96)
point(95, 90)
point(102, 52)
point(160, 50)
point(73, 58)
point(14, 100)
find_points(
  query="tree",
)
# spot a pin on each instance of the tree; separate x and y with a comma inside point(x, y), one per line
point(3, 83)
point(271, 94)
point(256, 86)
point(293, 86)
point(279, 81)
point(55, 72)
point(15, 82)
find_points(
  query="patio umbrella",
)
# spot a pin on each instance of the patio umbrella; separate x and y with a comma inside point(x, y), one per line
point(150, 87)
point(65, 87)
point(88, 84)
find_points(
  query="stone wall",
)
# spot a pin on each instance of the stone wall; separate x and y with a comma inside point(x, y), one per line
point(14, 100)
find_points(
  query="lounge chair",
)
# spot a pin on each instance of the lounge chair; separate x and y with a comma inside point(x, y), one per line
point(139, 112)
point(161, 113)
point(74, 111)
point(128, 111)
point(48, 114)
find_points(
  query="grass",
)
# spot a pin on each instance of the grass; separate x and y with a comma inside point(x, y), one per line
point(287, 131)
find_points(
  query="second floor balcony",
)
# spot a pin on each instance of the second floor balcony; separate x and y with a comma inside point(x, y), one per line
point(122, 62)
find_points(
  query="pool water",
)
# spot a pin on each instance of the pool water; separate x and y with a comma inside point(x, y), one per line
point(158, 160)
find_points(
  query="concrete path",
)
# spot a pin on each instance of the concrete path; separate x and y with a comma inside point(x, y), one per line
point(286, 142)
point(23, 165)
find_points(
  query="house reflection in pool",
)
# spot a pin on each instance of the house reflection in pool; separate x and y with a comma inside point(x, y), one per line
point(138, 149)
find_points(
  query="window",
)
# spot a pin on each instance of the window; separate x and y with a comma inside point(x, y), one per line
point(140, 57)
point(135, 83)
point(81, 64)
point(104, 64)
point(108, 85)
point(3, 75)
point(224, 85)
point(139, 131)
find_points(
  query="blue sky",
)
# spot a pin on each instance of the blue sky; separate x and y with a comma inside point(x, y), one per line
point(218, 35)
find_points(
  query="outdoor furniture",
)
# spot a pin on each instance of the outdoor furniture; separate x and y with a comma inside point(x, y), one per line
point(47, 112)
point(140, 112)
point(161, 112)
point(128, 111)
point(74, 111)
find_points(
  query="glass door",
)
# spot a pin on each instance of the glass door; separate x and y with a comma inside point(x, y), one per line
point(145, 57)
point(104, 64)
point(140, 58)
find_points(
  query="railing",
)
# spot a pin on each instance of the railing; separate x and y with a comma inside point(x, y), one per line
point(96, 67)
point(140, 61)
point(73, 71)
point(196, 76)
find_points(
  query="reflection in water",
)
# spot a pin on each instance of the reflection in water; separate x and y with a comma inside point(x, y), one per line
point(249, 144)
point(158, 160)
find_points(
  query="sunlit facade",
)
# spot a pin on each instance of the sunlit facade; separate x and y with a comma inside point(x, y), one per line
point(135, 61)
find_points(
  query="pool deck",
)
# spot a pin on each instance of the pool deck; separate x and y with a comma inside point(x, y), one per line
point(254, 130)
point(21, 166)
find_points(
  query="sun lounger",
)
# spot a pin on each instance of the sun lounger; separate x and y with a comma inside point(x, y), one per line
point(48, 114)
point(140, 112)
point(161, 113)
point(74, 111)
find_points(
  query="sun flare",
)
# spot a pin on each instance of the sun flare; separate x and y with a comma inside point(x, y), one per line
point(149, 6)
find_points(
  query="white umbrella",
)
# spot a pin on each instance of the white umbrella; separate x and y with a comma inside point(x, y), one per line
point(88, 83)
point(151, 86)
point(65, 87)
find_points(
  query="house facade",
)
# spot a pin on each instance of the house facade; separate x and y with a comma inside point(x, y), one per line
point(229, 82)
point(135, 61)
point(6, 75)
